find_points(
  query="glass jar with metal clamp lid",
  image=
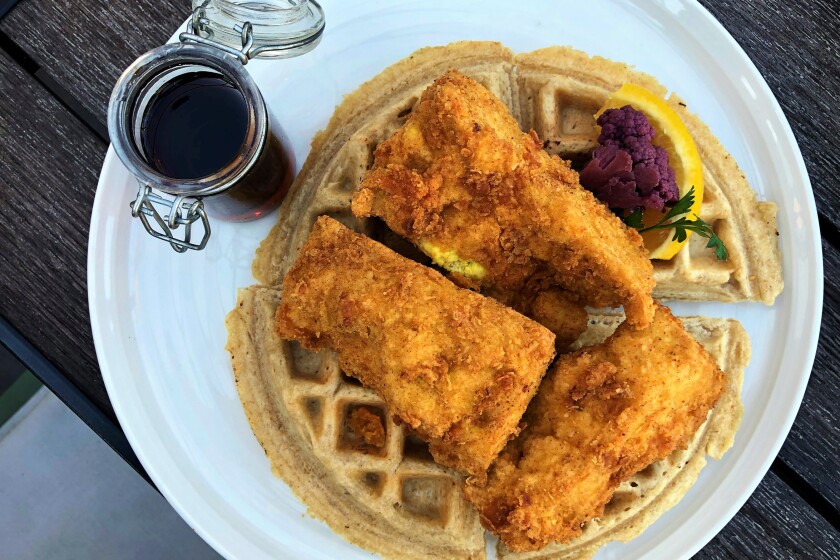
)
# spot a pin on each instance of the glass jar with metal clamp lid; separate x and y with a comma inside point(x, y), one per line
point(191, 125)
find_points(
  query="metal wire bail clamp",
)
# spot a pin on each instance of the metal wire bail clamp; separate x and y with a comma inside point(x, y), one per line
point(198, 22)
point(182, 212)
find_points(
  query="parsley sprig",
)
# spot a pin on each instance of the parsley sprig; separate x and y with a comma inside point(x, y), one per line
point(682, 225)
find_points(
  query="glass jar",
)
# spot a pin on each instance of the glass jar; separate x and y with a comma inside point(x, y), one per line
point(189, 122)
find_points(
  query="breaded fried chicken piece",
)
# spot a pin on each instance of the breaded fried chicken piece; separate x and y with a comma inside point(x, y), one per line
point(457, 367)
point(479, 196)
point(601, 415)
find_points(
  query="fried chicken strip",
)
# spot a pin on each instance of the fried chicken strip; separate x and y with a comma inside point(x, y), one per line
point(479, 196)
point(601, 415)
point(457, 367)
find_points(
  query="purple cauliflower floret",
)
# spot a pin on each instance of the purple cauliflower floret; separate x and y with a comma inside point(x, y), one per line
point(620, 125)
point(627, 171)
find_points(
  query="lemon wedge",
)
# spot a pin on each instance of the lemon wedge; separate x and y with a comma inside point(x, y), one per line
point(674, 137)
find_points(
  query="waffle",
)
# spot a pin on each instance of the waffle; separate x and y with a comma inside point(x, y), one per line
point(395, 501)
point(555, 91)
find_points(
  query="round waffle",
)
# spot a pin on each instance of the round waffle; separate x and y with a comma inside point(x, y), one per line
point(395, 500)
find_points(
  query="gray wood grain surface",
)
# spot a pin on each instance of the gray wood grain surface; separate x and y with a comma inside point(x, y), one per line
point(50, 164)
point(813, 447)
point(86, 44)
point(774, 524)
point(795, 46)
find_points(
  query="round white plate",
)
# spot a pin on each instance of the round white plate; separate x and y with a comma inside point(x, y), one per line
point(158, 317)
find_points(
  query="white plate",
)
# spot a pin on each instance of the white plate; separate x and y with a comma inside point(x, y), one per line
point(157, 316)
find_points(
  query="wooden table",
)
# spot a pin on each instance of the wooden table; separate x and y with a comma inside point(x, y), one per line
point(58, 63)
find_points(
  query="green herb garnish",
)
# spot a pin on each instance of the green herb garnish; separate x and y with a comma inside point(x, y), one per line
point(634, 219)
point(682, 225)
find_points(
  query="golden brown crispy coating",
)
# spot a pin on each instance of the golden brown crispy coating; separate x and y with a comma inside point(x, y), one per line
point(457, 367)
point(555, 309)
point(367, 426)
point(601, 415)
point(460, 177)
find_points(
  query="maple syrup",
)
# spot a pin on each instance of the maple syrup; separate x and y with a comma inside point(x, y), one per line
point(195, 126)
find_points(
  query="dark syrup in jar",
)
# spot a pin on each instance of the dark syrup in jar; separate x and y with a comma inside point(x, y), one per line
point(262, 189)
point(196, 125)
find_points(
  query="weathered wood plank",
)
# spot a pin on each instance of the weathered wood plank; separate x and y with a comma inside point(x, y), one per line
point(774, 524)
point(49, 163)
point(813, 447)
point(794, 45)
point(86, 44)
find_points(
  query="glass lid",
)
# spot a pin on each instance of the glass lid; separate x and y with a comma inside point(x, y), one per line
point(279, 28)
